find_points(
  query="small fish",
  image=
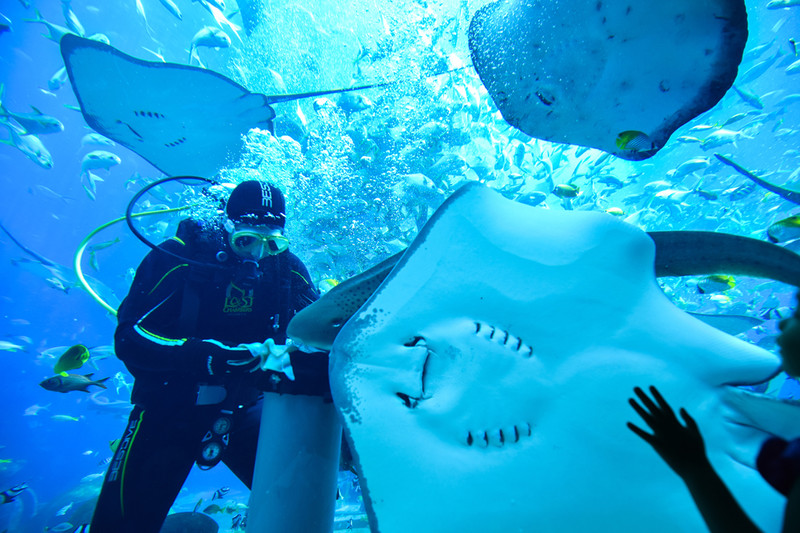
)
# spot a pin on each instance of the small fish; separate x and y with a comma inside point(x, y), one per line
point(7, 346)
point(198, 504)
point(219, 4)
point(635, 141)
point(71, 19)
point(72, 359)
point(65, 418)
point(721, 137)
point(140, 11)
point(58, 79)
point(779, 4)
point(220, 493)
point(532, 198)
point(784, 230)
point(565, 190)
point(749, 98)
point(92, 477)
point(616, 211)
point(7, 496)
point(100, 38)
point(34, 409)
point(71, 382)
point(28, 144)
point(64, 510)
point(758, 69)
point(99, 159)
point(96, 139)
point(172, 8)
point(5, 24)
point(326, 284)
point(794, 68)
point(55, 32)
point(103, 245)
point(715, 283)
point(209, 37)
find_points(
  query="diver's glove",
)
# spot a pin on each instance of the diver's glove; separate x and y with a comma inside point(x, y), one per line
point(218, 359)
point(271, 356)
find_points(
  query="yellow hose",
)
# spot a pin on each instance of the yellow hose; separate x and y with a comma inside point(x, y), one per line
point(84, 243)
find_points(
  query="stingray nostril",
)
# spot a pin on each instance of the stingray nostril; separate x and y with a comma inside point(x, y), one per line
point(415, 341)
point(470, 439)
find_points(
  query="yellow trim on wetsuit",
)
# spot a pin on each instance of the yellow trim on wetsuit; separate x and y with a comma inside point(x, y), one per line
point(165, 276)
point(125, 465)
point(158, 339)
point(301, 276)
point(176, 238)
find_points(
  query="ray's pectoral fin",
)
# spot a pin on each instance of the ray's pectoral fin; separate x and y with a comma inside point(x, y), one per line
point(597, 74)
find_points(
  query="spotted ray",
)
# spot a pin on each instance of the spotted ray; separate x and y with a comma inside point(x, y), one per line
point(599, 73)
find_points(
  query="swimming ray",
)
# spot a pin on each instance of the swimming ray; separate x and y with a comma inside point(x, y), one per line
point(484, 384)
point(184, 120)
point(618, 76)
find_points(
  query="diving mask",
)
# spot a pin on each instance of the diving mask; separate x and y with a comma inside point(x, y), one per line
point(256, 242)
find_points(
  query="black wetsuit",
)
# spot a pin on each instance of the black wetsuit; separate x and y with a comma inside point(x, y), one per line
point(170, 309)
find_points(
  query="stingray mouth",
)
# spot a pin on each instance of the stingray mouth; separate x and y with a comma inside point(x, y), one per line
point(491, 339)
point(413, 401)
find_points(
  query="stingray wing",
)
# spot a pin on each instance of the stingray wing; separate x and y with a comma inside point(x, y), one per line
point(184, 120)
point(600, 73)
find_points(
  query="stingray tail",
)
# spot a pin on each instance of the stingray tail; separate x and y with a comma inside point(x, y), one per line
point(277, 98)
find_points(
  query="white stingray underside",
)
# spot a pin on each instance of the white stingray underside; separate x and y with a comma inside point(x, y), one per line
point(484, 385)
point(184, 120)
point(584, 71)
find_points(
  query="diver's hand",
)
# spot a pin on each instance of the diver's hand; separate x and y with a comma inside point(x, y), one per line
point(217, 359)
point(681, 446)
point(271, 356)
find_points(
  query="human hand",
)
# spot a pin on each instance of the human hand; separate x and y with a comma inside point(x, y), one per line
point(681, 446)
point(231, 362)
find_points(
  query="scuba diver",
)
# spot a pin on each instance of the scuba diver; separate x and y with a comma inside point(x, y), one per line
point(202, 330)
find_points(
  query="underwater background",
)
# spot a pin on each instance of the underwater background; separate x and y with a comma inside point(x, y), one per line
point(362, 173)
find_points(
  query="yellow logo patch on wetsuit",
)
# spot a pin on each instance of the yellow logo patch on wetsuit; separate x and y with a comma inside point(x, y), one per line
point(238, 300)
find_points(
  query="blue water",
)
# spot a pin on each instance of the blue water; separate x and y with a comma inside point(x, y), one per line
point(336, 234)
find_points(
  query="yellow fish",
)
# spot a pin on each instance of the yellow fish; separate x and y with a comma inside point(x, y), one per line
point(565, 190)
point(787, 229)
point(635, 141)
point(73, 358)
point(716, 283)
